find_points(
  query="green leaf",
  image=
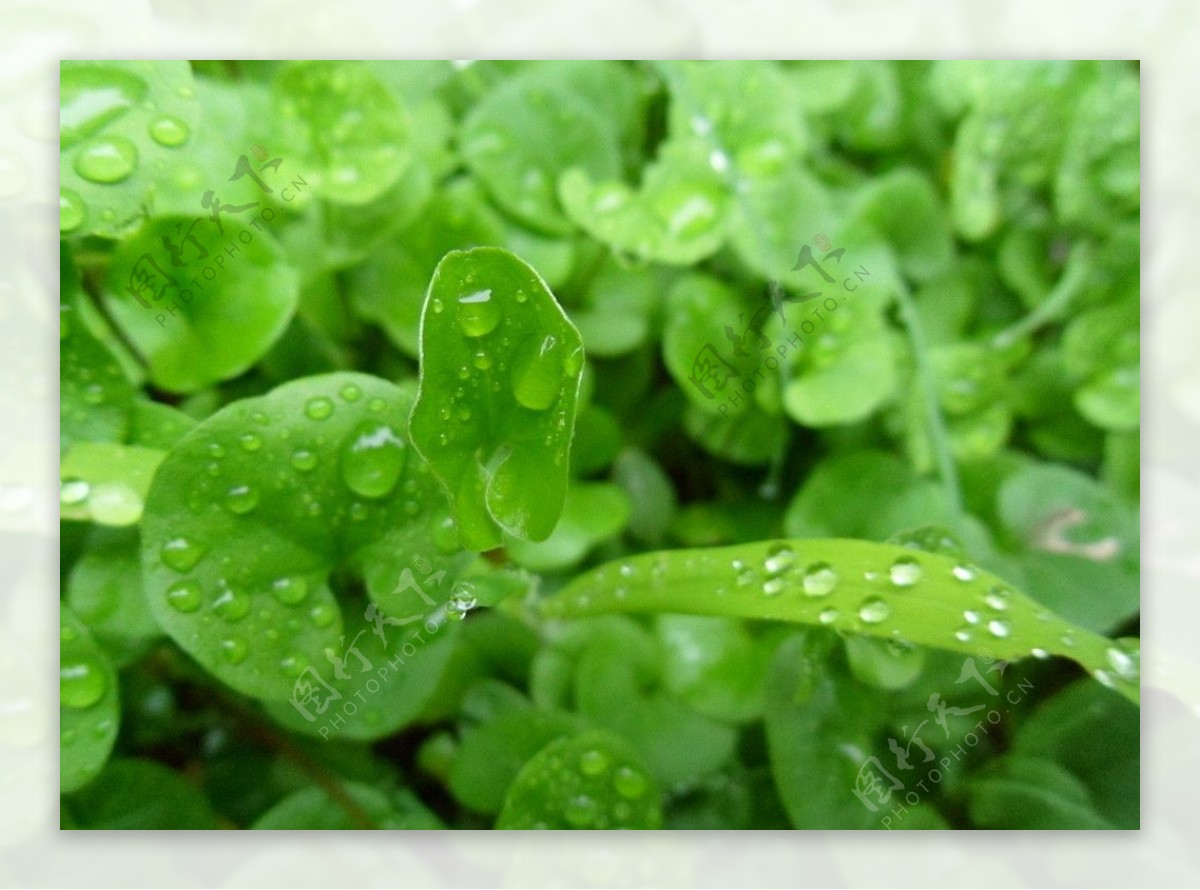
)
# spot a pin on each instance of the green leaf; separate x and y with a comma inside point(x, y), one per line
point(88, 712)
point(351, 133)
point(592, 513)
point(355, 806)
point(106, 484)
point(589, 781)
point(857, 587)
point(314, 477)
point(121, 124)
point(211, 317)
point(524, 135)
point(96, 396)
point(1100, 173)
point(500, 376)
point(158, 426)
point(139, 795)
point(491, 755)
point(105, 590)
point(1031, 793)
point(903, 206)
point(819, 728)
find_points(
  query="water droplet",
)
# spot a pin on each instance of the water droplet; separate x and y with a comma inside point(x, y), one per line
point(169, 131)
point(291, 664)
point(290, 591)
point(376, 405)
point(106, 160)
point(241, 499)
point(481, 360)
point(81, 683)
point(250, 441)
point(997, 598)
point(318, 408)
point(216, 449)
point(373, 459)
point(73, 491)
point(1105, 678)
point(1040, 654)
point(964, 573)
point(1068, 640)
point(828, 616)
point(351, 393)
point(71, 211)
point(905, 572)
point(462, 600)
point(437, 306)
point(819, 579)
point(115, 503)
point(234, 649)
point(746, 576)
point(358, 512)
point(304, 460)
point(232, 605)
point(537, 375)
point(1124, 663)
point(719, 161)
point(998, 628)
point(971, 616)
point(629, 783)
point(593, 763)
point(963, 634)
point(874, 610)
point(580, 811)
point(478, 313)
point(774, 586)
point(93, 98)
point(323, 614)
point(184, 596)
point(779, 559)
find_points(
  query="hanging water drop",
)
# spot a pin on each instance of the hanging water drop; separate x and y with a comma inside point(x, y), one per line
point(478, 313)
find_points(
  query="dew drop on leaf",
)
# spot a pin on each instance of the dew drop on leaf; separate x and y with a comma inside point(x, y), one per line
point(290, 591)
point(304, 460)
point(107, 160)
point(318, 408)
point(478, 313)
point(234, 649)
point(819, 579)
point(964, 573)
point(373, 459)
point(241, 499)
point(905, 572)
point(71, 211)
point(998, 628)
point(874, 610)
point(169, 131)
point(81, 683)
point(184, 596)
point(592, 763)
point(629, 783)
point(779, 559)
point(232, 605)
point(73, 491)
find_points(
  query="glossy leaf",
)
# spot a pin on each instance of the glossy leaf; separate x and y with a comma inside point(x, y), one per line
point(354, 807)
point(122, 123)
point(141, 795)
point(589, 781)
point(96, 395)
point(315, 476)
point(88, 712)
point(500, 376)
point(856, 587)
point(106, 484)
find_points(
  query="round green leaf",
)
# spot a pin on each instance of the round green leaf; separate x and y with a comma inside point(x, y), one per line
point(207, 319)
point(593, 780)
point(314, 477)
point(141, 795)
point(357, 807)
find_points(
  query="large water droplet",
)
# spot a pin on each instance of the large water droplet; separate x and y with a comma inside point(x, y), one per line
point(905, 572)
point(169, 131)
point(1124, 662)
point(593, 763)
point(580, 811)
point(478, 313)
point(462, 600)
point(241, 499)
point(289, 591)
point(774, 586)
point(481, 360)
point(971, 616)
point(323, 614)
point(318, 408)
point(874, 610)
point(184, 596)
point(998, 628)
point(81, 683)
point(828, 616)
point(997, 598)
point(819, 579)
point(373, 459)
point(73, 491)
point(250, 441)
point(351, 393)
point(106, 160)
point(232, 605)
point(964, 572)
point(537, 375)
point(115, 503)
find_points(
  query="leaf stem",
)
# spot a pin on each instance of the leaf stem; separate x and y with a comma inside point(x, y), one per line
point(1056, 301)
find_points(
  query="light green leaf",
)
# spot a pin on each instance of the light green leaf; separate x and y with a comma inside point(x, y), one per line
point(500, 376)
point(88, 711)
point(212, 316)
point(106, 484)
point(121, 124)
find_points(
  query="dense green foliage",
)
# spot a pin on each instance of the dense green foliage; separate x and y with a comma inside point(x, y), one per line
point(600, 445)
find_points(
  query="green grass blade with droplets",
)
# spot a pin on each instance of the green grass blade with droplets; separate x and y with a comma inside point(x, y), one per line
point(880, 590)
